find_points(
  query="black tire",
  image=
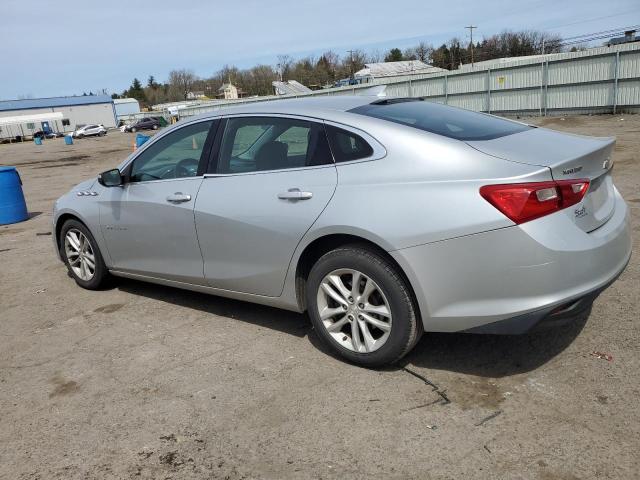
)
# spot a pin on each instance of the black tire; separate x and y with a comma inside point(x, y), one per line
point(80, 136)
point(101, 274)
point(155, 127)
point(406, 327)
point(134, 130)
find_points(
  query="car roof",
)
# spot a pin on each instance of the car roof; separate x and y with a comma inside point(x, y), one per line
point(321, 107)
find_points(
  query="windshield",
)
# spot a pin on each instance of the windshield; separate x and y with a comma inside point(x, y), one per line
point(443, 120)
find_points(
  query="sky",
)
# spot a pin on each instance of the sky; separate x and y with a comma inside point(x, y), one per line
point(51, 48)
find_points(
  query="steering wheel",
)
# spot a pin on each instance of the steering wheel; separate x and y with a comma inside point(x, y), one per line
point(187, 167)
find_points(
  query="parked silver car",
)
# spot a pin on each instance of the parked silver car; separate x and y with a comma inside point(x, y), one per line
point(382, 218)
point(91, 130)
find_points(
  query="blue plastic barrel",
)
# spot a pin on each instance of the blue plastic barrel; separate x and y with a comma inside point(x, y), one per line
point(38, 140)
point(13, 208)
point(140, 139)
point(68, 140)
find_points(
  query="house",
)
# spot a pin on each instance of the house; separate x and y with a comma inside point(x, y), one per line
point(228, 91)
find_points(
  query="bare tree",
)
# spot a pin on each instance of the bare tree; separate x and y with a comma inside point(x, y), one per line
point(375, 56)
point(284, 66)
point(182, 81)
point(423, 52)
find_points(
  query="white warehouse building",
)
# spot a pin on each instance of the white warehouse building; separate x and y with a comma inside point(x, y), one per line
point(76, 111)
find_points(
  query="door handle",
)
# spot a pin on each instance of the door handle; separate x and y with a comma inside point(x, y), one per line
point(178, 197)
point(295, 194)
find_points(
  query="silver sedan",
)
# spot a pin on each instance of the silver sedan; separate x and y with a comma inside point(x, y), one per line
point(382, 218)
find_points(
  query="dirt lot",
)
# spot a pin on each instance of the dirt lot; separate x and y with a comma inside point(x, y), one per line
point(141, 381)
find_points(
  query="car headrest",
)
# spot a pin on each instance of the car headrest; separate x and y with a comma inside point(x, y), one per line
point(272, 155)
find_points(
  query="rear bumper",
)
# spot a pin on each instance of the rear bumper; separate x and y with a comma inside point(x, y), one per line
point(546, 318)
point(513, 279)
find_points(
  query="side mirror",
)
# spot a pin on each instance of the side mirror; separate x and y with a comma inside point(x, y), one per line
point(110, 178)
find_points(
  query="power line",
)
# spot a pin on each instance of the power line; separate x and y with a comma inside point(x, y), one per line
point(616, 30)
point(593, 19)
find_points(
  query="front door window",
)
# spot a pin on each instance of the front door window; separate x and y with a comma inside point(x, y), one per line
point(176, 155)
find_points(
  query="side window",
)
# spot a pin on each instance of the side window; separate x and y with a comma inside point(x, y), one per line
point(65, 122)
point(347, 146)
point(253, 144)
point(176, 155)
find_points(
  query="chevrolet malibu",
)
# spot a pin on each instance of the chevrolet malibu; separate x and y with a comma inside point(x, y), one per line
point(382, 218)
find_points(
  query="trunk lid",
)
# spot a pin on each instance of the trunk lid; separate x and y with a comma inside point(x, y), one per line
point(568, 157)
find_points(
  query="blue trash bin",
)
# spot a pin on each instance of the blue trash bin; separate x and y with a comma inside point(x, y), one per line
point(68, 140)
point(140, 139)
point(38, 140)
point(13, 208)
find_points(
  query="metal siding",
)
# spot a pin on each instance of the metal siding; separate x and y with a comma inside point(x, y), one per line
point(629, 65)
point(429, 87)
point(515, 100)
point(398, 90)
point(629, 92)
point(467, 83)
point(579, 96)
point(473, 101)
point(576, 80)
point(515, 78)
point(576, 71)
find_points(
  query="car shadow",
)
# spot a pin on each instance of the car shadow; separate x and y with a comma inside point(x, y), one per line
point(283, 321)
point(493, 355)
point(481, 355)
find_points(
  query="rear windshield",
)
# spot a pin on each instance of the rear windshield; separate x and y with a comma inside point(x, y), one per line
point(441, 119)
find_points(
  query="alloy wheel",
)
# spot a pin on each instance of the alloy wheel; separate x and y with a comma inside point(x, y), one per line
point(79, 254)
point(354, 310)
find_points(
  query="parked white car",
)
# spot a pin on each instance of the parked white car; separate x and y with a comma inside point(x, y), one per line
point(90, 130)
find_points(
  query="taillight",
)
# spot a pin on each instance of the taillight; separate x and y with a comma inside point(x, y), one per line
point(522, 202)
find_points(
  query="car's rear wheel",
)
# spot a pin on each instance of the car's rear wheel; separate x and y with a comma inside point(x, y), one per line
point(155, 127)
point(82, 256)
point(361, 306)
point(133, 130)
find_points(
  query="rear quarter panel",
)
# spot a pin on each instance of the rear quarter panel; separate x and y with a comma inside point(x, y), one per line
point(425, 190)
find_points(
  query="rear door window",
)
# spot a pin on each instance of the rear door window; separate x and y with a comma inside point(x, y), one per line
point(254, 144)
point(443, 120)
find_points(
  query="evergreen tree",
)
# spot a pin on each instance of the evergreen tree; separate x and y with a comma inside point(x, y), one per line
point(394, 55)
point(136, 91)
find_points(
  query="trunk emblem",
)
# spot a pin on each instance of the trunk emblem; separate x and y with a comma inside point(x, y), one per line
point(580, 212)
point(569, 171)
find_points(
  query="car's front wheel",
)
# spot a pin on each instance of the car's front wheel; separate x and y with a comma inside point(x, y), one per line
point(134, 130)
point(361, 307)
point(155, 127)
point(82, 256)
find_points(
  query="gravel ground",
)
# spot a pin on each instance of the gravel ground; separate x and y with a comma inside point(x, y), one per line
point(142, 381)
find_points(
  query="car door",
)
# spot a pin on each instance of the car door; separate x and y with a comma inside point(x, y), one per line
point(270, 181)
point(148, 224)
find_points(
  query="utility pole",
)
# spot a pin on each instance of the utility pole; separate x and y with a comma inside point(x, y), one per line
point(471, 27)
point(350, 52)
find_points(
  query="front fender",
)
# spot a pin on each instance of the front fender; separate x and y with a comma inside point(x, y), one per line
point(86, 209)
